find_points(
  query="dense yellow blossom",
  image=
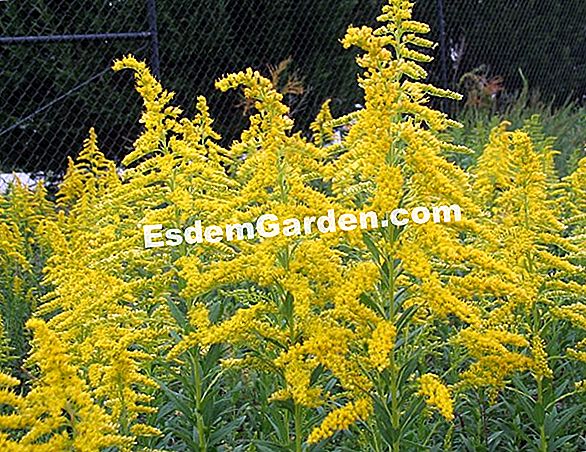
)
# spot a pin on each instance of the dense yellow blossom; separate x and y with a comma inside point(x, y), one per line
point(322, 127)
point(437, 395)
point(541, 366)
point(340, 419)
point(60, 399)
point(381, 344)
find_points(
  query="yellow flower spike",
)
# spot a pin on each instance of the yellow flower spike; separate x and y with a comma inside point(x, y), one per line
point(159, 118)
point(437, 395)
point(341, 419)
point(541, 367)
point(323, 131)
point(89, 173)
point(60, 399)
point(380, 345)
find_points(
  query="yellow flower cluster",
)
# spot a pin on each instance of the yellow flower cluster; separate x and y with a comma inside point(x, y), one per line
point(59, 401)
point(340, 419)
point(495, 361)
point(322, 127)
point(381, 344)
point(437, 395)
point(541, 367)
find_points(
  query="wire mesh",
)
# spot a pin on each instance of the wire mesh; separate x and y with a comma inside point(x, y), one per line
point(51, 93)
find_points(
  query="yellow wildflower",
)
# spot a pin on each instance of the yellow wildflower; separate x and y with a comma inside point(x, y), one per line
point(437, 395)
point(381, 344)
point(340, 419)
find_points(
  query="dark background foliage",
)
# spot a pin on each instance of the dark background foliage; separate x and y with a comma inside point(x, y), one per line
point(52, 93)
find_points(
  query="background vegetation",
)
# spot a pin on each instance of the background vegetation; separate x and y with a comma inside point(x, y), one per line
point(200, 43)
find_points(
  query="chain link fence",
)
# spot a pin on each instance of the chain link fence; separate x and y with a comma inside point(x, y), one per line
point(56, 81)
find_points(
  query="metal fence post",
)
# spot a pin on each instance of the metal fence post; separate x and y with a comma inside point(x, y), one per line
point(152, 18)
point(442, 42)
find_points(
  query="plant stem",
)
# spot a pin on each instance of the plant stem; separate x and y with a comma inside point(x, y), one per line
point(395, 418)
point(199, 407)
point(298, 429)
point(391, 314)
point(542, 437)
point(543, 447)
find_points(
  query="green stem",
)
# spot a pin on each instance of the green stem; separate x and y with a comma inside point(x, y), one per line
point(377, 438)
point(391, 312)
point(543, 447)
point(395, 417)
point(199, 406)
point(484, 433)
point(298, 428)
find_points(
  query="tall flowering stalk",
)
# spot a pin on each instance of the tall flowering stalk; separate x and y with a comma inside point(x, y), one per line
point(392, 158)
point(525, 230)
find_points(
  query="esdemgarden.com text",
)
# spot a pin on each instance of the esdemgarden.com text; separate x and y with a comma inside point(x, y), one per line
point(269, 225)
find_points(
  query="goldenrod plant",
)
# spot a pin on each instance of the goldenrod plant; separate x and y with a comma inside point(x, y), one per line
point(158, 319)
